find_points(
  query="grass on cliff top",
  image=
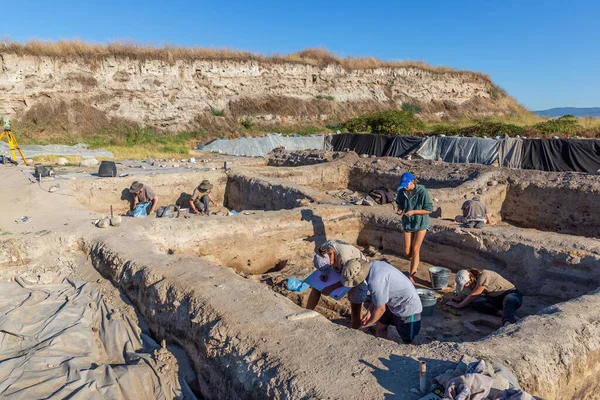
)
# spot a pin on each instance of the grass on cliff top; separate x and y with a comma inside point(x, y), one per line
point(92, 52)
point(127, 142)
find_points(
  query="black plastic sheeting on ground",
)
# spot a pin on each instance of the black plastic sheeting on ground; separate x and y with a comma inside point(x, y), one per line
point(375, 145)
point(561, 155)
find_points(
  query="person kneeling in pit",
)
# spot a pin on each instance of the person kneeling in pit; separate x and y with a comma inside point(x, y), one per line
point(143, 196)
point(332, 255)
point(394, 299)
point(490, 294)
point(475, 214)
point(201, 198)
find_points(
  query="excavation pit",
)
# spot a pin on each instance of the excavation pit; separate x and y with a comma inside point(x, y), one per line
point(273, 246)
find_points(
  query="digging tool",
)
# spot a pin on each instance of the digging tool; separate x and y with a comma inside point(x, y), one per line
point(114, 221)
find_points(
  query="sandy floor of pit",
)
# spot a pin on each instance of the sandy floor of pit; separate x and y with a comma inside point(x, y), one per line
point(447, 324)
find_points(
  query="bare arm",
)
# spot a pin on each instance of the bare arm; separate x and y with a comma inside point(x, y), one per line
point(327, 290)
point(135, 201)
point(154, 204)
point(417, 212)
point(193, 206)
point(488, 219)
point(211, 200)
point(478, 291)
point(374, 314)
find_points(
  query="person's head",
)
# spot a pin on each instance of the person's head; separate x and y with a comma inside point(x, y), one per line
point(320, 262)
point(407, 181)
point(355, 272)
point(136, 187)
point(466, 279)
point(205, 186)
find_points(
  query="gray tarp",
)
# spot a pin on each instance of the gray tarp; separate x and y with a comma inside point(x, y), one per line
point(33, 150)
point(261, 146)
point(62, 341)
point(460, 149)
point(510, 153)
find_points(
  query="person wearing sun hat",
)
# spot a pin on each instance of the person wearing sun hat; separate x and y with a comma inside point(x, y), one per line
point(201, 198)
point(414, 204)
point(394, 299)
point(489, 293)
point(143, 194)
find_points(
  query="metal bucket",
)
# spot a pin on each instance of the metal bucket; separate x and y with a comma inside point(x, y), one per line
point(429, 298)
point(439, 277)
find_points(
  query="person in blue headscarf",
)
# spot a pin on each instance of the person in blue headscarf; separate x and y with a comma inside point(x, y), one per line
point(414, 204)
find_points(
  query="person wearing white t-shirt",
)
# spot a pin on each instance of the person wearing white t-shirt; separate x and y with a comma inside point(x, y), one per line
point(394, 299)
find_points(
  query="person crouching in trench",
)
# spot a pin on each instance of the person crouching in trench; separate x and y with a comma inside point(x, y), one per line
point(332, 255)
point(490, 294)
point(201, 198)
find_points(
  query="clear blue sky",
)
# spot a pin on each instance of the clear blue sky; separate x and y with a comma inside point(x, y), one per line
point(544, 53)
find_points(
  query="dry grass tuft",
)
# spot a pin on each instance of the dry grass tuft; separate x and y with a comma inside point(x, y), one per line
point(92, 52)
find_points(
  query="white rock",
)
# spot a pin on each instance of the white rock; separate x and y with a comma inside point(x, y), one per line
point(89, 162)
point(61, 161)
point(103, 223)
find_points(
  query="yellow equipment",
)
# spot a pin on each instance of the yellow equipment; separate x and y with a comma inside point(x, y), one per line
point(12, 141)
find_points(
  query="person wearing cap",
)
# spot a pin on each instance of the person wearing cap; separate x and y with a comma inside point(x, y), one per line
point(475, 214)
point(394, 299)
point(332, 255)
point(201, 198)
point(414, 204)
point(490, 294)
point(144, 195)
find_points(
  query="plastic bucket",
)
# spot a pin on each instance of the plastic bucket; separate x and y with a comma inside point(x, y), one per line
point(429, 298)
point(439, 277)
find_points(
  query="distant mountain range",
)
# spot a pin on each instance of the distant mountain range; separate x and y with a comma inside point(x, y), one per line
point(593, 112)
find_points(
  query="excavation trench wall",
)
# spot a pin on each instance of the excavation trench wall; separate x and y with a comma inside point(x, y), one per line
point(261, 244)
point(235, 332)
point(539, 263)
point(564, 208)
point(99, 194)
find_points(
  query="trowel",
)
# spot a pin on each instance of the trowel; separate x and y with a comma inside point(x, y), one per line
point(114, 221)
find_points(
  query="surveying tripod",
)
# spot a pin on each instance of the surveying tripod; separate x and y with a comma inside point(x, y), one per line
point(12, 141)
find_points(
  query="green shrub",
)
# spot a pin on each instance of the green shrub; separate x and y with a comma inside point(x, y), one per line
point(392, 122)
point(216, 112)
point(321, 97)
point(491, 129)
point(566, 124)
point(411, 108)
point(247, 123)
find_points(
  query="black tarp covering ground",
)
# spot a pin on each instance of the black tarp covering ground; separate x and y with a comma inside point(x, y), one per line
point(561, 155)
point(375, 145)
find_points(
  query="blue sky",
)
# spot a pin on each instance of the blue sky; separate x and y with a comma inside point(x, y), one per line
point(544, 53)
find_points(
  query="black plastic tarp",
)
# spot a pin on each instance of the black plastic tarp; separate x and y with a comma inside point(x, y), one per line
point(361, 143)
point(561, 155)
point(400, 146)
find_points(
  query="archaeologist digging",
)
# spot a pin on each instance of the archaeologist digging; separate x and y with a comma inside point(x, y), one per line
point(145, 200)
point(394, 299)
point(332, 255)
point(201, 198)
point(490, 294)
point(475, 214)
point(414, 204)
